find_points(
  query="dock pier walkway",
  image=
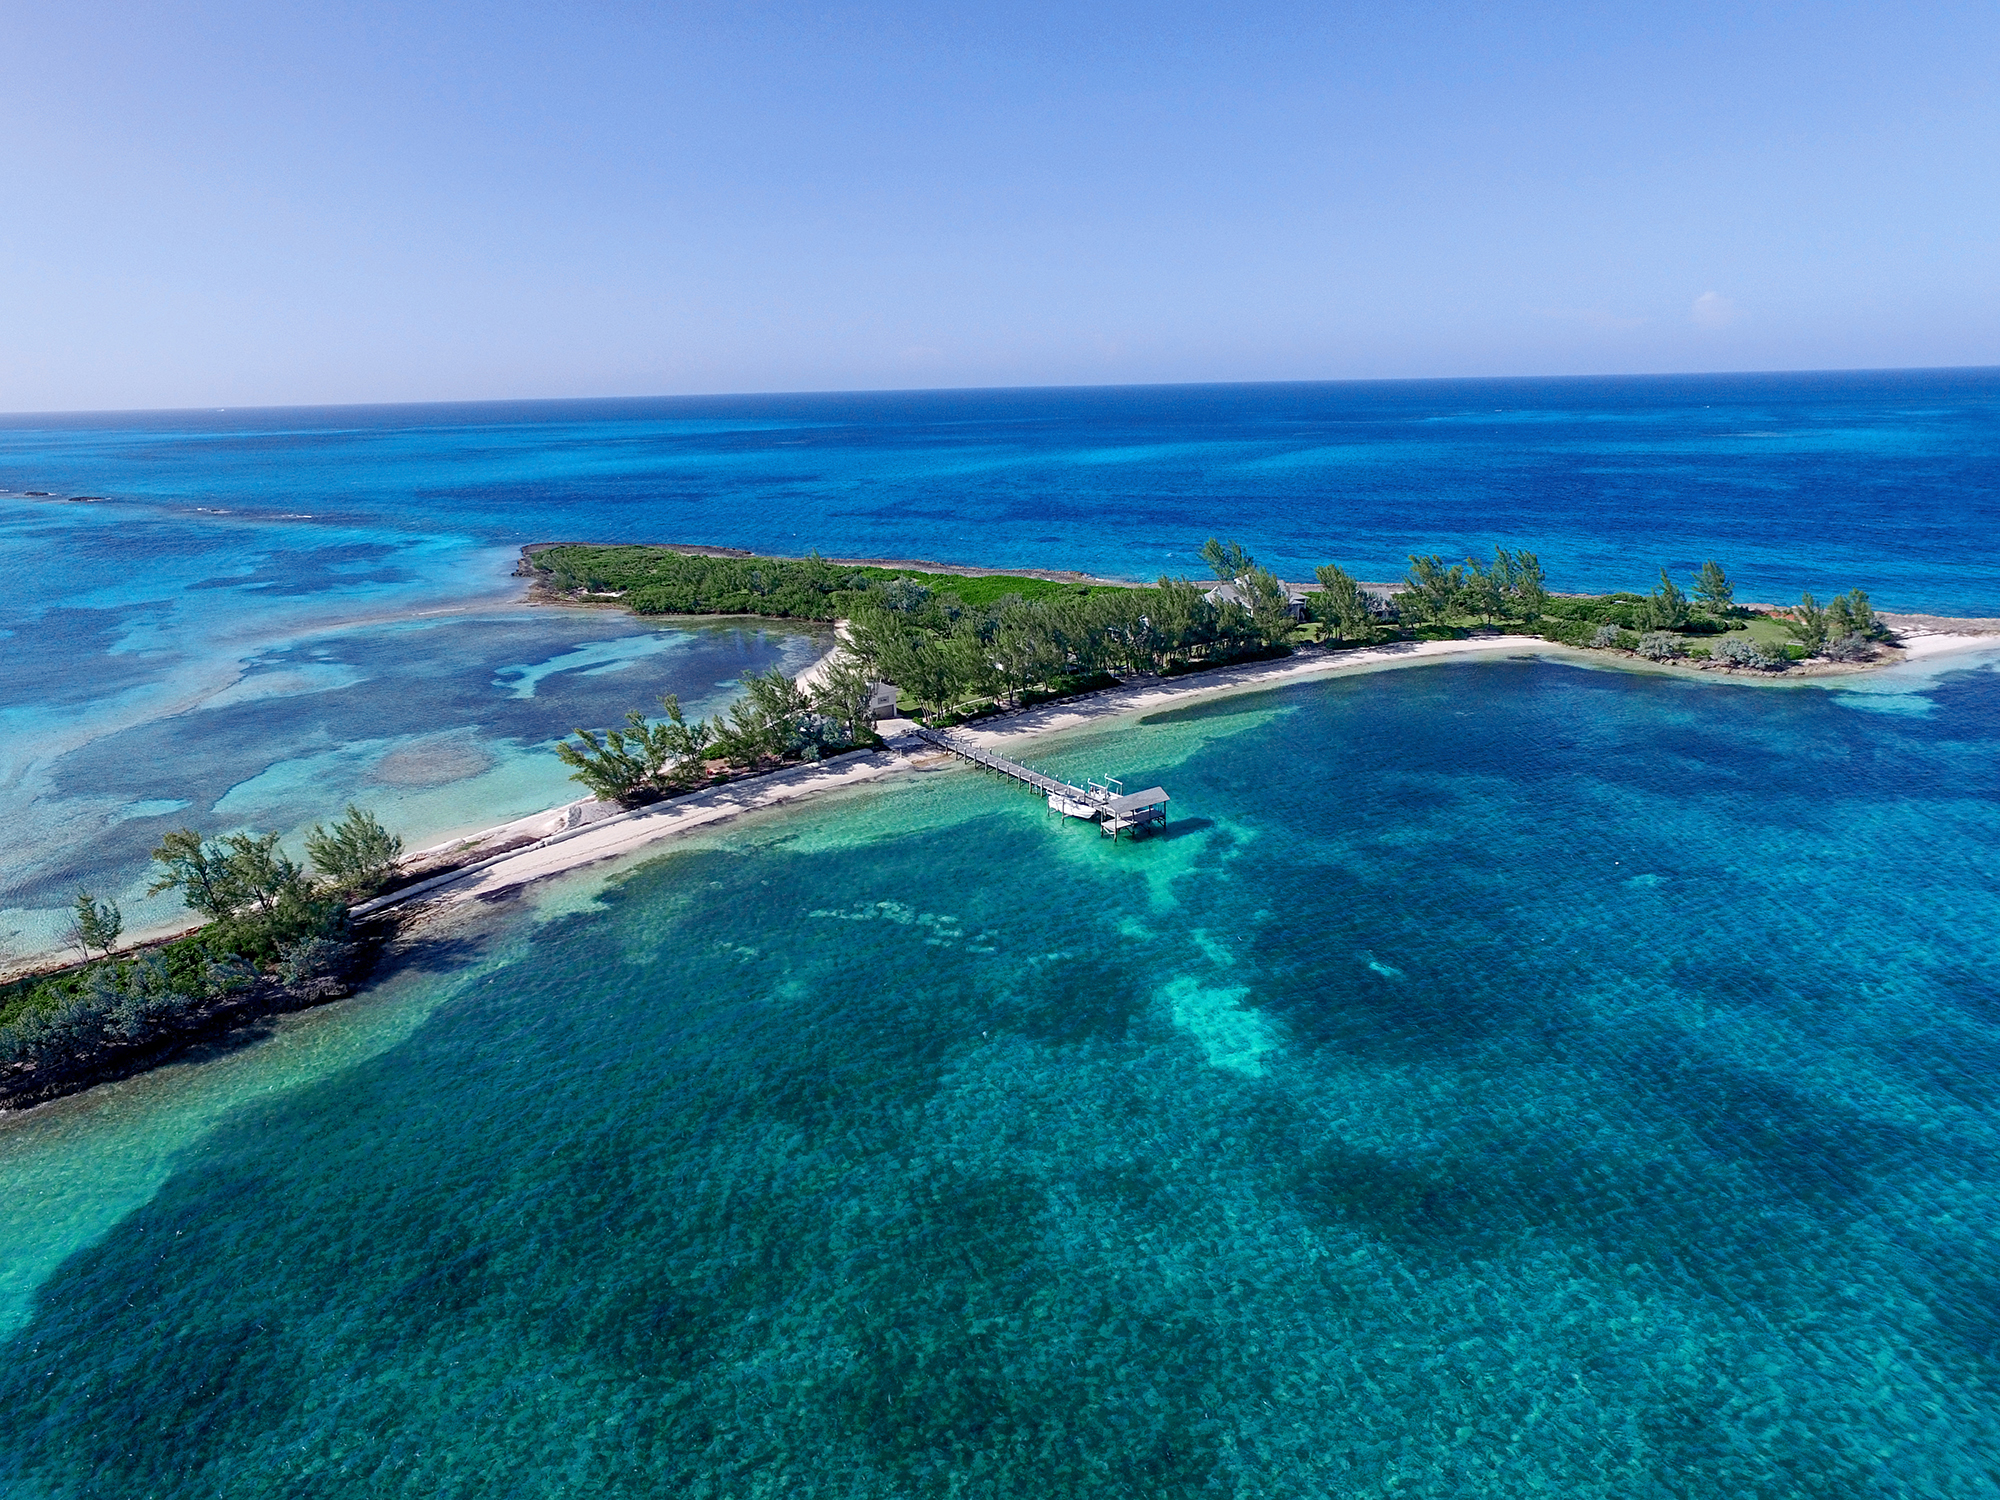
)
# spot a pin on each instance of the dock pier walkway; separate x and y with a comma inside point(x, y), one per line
point(1103, 802)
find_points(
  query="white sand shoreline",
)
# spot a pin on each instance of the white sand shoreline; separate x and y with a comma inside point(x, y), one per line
point(570, 838)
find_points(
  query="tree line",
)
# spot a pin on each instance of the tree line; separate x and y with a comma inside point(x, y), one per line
point(655, 581)
point(775, 721)
point(946, 652)
point(953, 645)
point(1669, 624)
point(266, 917)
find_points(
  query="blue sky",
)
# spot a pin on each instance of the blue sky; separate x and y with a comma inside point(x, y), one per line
point(229, 204)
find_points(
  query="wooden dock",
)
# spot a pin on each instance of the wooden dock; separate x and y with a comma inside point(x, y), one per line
point(1104, 802)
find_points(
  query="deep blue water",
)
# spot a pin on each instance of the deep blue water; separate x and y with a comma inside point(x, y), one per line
point(226, 543)
point(1505, 1078)
point(1885, 480)
point(1501, 1078)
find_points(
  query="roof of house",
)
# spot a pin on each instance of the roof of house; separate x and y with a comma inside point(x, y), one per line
point(1235, 593)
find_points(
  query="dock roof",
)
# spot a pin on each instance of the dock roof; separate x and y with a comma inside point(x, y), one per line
point(1152, 797)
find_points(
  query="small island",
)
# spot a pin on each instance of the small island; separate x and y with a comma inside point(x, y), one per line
point(1008, 654)
point(960, 641)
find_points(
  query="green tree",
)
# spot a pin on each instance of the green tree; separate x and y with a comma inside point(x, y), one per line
point(1228, 561)
point(619, 766)
point(931, 675)
point(842, 693)
point(1270, 606)
point(765, 721)
point(1713, 588)
point(225, 877)
point(904, 595)
point(1433, 591)
point(1026, 647)
point(94, 925)
point(1340, 604)
point(261, 873)
point(1182, 620)
point(1861, 615)
point(1668, 608)
point(683, 747)
point(199, 870)
point(1808, 623)
point(1486, 587)
point(644, 759)
point(357, 856)
point(1531, 592)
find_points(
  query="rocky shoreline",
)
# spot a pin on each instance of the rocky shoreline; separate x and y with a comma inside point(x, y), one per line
point(230, 1016)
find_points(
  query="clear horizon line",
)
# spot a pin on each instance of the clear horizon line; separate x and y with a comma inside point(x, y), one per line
point(945, 390)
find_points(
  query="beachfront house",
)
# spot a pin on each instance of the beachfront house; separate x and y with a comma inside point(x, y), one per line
point(881, 702)
point(1381, 603)
point(1238, 593)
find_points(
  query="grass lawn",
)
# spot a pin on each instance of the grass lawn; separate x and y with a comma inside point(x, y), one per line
point(1759, 628)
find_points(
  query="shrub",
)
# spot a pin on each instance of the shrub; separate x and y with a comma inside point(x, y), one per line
point(1855, 647)
point(312, 958)
point(904, 595)
point(1660, 645)
point(66, 1029)
point(114, 1004)
point(1605, 636)
point(1741, 651)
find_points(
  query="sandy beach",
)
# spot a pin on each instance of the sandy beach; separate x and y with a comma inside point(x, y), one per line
point(584, 833)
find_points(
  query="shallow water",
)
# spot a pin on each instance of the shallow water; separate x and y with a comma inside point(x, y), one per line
point(209, 640)
point(440, 726)
point(1502, 1077)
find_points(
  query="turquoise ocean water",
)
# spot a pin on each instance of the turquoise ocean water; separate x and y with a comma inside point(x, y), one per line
point(1503, 1077)
point(262, 614)
point(1506, 1077)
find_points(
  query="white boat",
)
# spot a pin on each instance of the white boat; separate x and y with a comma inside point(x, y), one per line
point(1073, 807)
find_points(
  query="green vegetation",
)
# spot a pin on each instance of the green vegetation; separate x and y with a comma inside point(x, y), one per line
point(774, 722)
point(95, 925)
point(1666, 625)
point(1225, 559)
point(358, 856)
point(1840, 631)
point(267, 920)
point(952, 658)
point(953, 646)
point(1668, 609)
point(1440, 600)
point(956, 645)
point(1746, 651)
point(845, 688)
point(1340, 606)
point(657, 581)
point(1510, 588)
point(640, 761)
point(1713, 588)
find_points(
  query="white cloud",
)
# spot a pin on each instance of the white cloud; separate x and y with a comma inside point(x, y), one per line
point(1713, 310)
